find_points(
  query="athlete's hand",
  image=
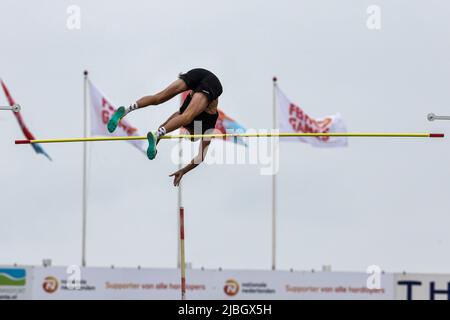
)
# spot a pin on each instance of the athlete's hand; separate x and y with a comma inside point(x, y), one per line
point(177, 177)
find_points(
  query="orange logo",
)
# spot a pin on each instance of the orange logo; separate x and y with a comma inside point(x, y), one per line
point(50, 284)
point(231, 288)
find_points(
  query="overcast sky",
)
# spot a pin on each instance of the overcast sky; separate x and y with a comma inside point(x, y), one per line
point(379, 201)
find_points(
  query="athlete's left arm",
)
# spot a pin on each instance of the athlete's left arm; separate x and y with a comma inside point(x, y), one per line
point(203, 149)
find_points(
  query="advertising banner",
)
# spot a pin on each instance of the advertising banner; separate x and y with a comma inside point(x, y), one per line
point(127, 283)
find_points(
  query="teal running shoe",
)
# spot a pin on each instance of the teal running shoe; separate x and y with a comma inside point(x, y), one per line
point(114, 121)
point(151, 150)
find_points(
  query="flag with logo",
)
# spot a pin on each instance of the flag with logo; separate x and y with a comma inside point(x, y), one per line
point(27, 133)
point(294, 119)
point(101, 111)
point(224, 124)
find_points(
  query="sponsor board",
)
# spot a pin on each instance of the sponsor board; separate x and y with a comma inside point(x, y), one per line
point(303, 285)
point(130, 283)
point(105, 283)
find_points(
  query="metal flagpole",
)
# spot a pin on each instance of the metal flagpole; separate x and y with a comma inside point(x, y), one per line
point(84, 196)
point(274, 183)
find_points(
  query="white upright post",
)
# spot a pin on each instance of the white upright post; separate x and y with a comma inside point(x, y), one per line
point(84, 195)
point(179, 199)
point(180, 190)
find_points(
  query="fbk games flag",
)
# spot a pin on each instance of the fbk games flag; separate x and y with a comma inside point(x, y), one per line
point(293, 119)
point(101, 112)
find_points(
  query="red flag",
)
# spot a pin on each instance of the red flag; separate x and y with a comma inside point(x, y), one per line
point(37, 148)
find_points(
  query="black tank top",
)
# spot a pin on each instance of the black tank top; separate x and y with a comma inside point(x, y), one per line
point(208, 120)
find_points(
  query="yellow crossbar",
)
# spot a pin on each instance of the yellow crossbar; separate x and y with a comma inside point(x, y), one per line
point(242, 135)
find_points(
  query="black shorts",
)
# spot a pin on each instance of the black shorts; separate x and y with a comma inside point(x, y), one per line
point(204, 81)
point(208, 120)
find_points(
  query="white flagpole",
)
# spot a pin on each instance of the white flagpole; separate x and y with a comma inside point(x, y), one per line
point(274, 183)
point(84, 196)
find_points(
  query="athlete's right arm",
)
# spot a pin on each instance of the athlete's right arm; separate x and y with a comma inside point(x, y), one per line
point(178, 175)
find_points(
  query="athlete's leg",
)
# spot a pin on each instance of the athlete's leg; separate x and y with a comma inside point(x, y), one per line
point(176, 113)
point(168, 93)
point(197, 105)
